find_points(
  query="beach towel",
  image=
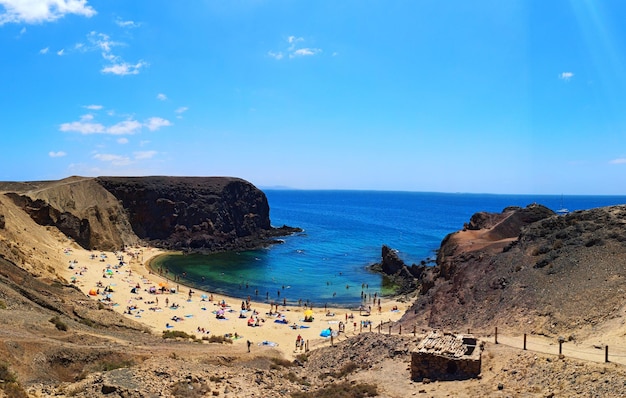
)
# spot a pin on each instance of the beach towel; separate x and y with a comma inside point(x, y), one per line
point(269, 343)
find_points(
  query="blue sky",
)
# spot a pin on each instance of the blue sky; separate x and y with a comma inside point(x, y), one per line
point(498, 96)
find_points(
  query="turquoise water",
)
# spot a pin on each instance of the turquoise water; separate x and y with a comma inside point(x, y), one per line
point(343, 234)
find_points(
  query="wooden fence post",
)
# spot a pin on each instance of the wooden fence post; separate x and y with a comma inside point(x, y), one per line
point(414, 330)
point(606, 354)
point(496, 335)
point(561, 341)
point(390, 330)
point(400, 332)
point(524, 341)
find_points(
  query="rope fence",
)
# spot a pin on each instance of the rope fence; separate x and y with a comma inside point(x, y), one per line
point(534, 343)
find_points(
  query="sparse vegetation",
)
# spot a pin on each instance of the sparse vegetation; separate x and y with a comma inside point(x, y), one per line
point(344, 371)
point(58, 323)
point(3, 305)
point(175, 334)
point(340, 390)
point(280, 362)
point(10, 385)
point(112, 365)
point(292, 377)
point(220, 339)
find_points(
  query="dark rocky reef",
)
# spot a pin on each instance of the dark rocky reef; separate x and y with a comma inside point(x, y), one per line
point(195, 213)
point(405, 278)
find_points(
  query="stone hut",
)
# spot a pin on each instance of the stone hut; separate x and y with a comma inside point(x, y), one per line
point(445, 356)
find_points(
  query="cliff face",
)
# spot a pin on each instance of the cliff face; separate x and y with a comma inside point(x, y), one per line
point(187, 213)
point(557, 275)
point(209, 213)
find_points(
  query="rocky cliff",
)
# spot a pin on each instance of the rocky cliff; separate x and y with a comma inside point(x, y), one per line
point(185, 213)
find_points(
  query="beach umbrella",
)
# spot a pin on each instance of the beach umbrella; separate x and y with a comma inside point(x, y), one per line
point(308, 313)
point(162, 284)
point(325, 333)
point(204, 296)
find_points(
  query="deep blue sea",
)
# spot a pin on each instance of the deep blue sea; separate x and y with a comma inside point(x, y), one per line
point(343, 234)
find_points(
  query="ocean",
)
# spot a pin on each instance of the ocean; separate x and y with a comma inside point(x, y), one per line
point(327, 264)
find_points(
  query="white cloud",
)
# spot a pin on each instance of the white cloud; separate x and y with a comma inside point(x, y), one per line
point(126, 127)
point(161, 97)
point(38, 11)
point(93, 107)
point(618, 161)
point(83, 128)
point(144, 142)
point(304, 52)
point(142, 155)
point(127, 24)
point(182, 109)
point(61, 52)
point(295, 49)
point(44, 50)
point(86, 118)
point(566, 76)
point(22, 31)
point(117, 66)
point(124, 68)
point(58, 154)
point(115, 160)
point(122, 140)
point(155, 123)
point(278, 55)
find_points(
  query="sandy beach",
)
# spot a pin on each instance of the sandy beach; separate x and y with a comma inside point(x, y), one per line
point(123, 282)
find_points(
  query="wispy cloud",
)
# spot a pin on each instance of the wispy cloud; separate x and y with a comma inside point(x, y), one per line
point(161, 97)
point(127, 24)
point(122, 140)
point(155, 123)
point(83, 128)
point(125, 128)
point(566, 76)
point(142, 155)
point(61, 52)
point(304, 52)
point(278, 55)
point(124, 160)
point(181, 110)
point(124, 68)
point(86, 126)
point(105, 45)
point(115, 160)
point(58, 154)
point(39, 11)
point(93, 107)
point(295, 48)
point(618, 161)
point(44, 50)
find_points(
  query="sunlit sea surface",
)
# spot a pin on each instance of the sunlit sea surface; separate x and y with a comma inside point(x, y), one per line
point(343, 234)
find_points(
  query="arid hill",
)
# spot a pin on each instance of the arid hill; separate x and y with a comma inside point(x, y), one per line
point(529, 270)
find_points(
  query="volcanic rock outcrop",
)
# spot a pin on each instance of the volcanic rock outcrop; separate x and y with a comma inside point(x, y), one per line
point(186, 213)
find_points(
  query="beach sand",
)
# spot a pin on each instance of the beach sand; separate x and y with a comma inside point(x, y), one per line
point(196, 315)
